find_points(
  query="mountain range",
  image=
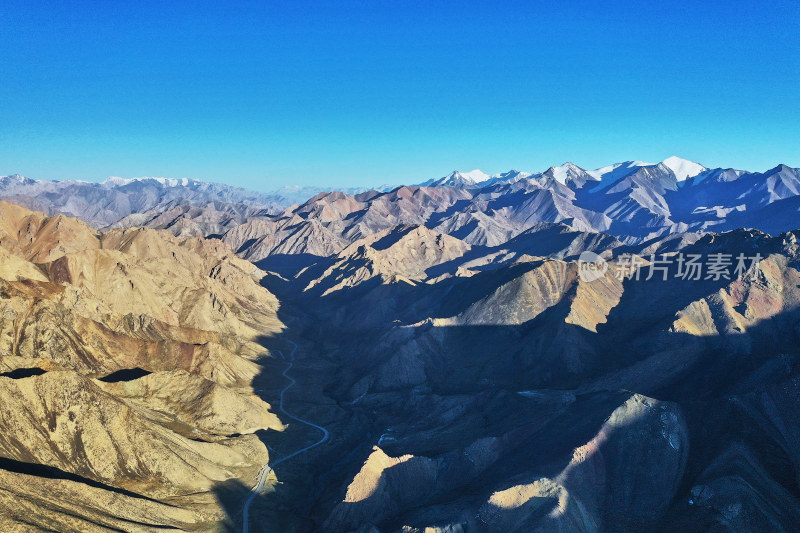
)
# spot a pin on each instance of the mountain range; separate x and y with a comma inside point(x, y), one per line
point(633, 201)
point(184, 356)
point(107, 202)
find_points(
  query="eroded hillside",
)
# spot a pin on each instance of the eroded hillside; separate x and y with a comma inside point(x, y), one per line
point(126, 367)
point(493, 390)
point(421, 382)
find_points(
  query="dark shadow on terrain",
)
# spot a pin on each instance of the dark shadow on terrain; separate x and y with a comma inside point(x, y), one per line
point(553, 240)
point(458, 206)
point(449, 267)
point(492, 363)
point(283, 506)
point(289, 264)
point(49, 472)
point(627, 336)
point(464, 231)
point(411, 303)
point(543, 240)
point(533, 445)
point(246, 244)
point(231, 496)
point(392, 238)
point(701, 388)
point(21, 373)
point(719, 365)
point(126, 374)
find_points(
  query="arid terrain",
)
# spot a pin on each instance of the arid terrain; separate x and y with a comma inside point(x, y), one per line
point(421, 359)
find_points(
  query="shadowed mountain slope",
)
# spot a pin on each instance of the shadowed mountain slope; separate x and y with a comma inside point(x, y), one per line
point(467, 370)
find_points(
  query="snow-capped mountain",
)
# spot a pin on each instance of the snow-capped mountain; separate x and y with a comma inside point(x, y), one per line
point(15, 180)
point(463, 180)
point(476, 178)
point(568, 173)
point(512, 176)
point(631, 200)
point(115, 181)
point(102, 204)
point(682, 168)
point(609, 174)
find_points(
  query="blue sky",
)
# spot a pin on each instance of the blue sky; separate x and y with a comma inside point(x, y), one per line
point(363, 93)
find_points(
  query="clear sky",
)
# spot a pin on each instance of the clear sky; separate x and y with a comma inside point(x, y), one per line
point(343, 93)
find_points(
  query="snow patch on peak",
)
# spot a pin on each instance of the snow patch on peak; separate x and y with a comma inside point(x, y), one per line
point(116, 181)
point(512, 176)
point(608, 176)
point(477, 175)
point(617, 169)
point(459, 179)
point(565, 172)
point(16, 178)
point(683, 168)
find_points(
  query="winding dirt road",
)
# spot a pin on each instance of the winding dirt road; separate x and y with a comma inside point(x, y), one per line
point(267, 468)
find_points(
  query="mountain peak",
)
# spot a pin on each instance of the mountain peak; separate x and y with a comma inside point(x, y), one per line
point(780, 168)
point(564, 173)
point(476, 175)
point(459, 179)
point(116, 181)
point(683, 168)
point(15, 180)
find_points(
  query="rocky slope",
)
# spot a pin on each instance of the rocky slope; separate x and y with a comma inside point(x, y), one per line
point(472, 372)
point(631, 202)
point(101, 204)
point(514, 395)
point(126, 364)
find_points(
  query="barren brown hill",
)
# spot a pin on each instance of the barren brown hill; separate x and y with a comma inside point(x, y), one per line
point(402, 253)
point(128, 359)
